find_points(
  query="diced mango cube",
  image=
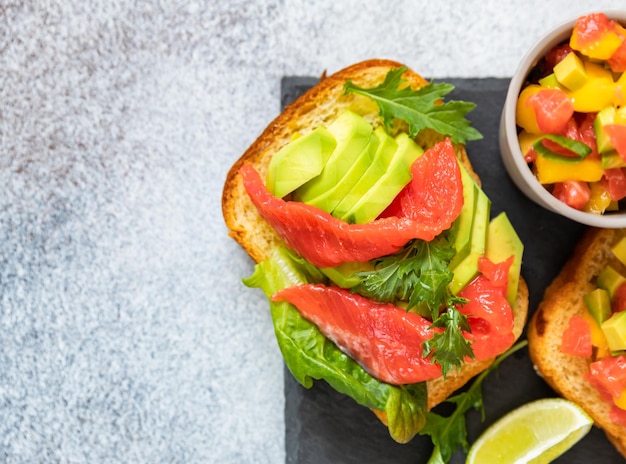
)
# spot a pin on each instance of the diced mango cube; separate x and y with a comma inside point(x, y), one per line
point(601, 49)
point(550, 171)
point(526, 141)
point(597, 92)
point(599, 199)
point(619, 250)
point(524, 113)
point(597, 336)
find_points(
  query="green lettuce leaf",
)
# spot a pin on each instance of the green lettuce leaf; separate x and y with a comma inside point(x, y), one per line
point(310, 356)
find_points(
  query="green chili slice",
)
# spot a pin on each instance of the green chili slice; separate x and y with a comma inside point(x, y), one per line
point(579, 150)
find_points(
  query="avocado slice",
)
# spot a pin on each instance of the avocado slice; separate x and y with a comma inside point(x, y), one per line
point(614, 329)
point(598, 304)
point(604, 117)
point(467, 269)
point(398, 174)
point(570, 72)
point(353, 135)
point(612, 159)
point(550, 82)
point(299, 161)
point(387, 146)
point(502, 243)
point(462, 226)
point(344, 276)
point(329, 200)
point(610, 280)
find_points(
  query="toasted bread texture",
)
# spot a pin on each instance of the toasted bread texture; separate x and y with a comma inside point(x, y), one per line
point(563, 299)
point(318, 106)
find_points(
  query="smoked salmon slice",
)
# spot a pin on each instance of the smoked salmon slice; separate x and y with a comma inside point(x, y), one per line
point(435, 202)
point(384, 339)
point(387, 341)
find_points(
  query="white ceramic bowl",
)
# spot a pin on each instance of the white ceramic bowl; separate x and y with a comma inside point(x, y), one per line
point(512, 156)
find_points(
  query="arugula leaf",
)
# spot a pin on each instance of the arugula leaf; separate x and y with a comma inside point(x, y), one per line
point(420, 109)
point(419, 274)
point(449, 433)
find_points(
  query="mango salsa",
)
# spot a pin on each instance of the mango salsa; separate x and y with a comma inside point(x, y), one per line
point(605, 318)
point(571, 117)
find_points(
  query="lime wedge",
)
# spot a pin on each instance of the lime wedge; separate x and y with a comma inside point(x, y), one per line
point(537, 432)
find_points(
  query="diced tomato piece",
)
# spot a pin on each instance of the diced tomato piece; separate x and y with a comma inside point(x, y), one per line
point(530, 156)
point(610, 373)
point(618, 415)
point(488, 312)
point(553, 109)
point(614, 181)
point(573, 193)
point(576, 339)
point(571, 129)
point(599, 386)
point(617, 62)
point(326, 241)
point(525, 116)
point(587, 134)
point(617, 136)
point(596, 36)
point(591, 28)
point(554, 56)
point(619, 299)
point(384, 339)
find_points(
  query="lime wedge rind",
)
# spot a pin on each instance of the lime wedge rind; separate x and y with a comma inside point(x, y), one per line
point(537, 432)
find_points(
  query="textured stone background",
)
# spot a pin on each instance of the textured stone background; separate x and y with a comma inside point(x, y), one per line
point(125, 333)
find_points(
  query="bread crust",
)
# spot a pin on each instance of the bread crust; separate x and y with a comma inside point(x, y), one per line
point(563, 299)
point(317, 106)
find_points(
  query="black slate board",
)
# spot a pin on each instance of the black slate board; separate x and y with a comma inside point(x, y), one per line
point(323, 426)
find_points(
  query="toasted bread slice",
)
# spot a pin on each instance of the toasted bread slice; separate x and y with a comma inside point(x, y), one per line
point(318, 106)
point(563, 299)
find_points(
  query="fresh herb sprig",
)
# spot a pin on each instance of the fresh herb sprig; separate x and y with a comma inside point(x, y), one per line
point(422, 108)
point(449, 347)
point(578, 150)
point(419, 275)
point(450, 432)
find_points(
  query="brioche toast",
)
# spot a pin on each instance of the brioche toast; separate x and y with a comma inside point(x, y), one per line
point(563, 299)
point(316, 107)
